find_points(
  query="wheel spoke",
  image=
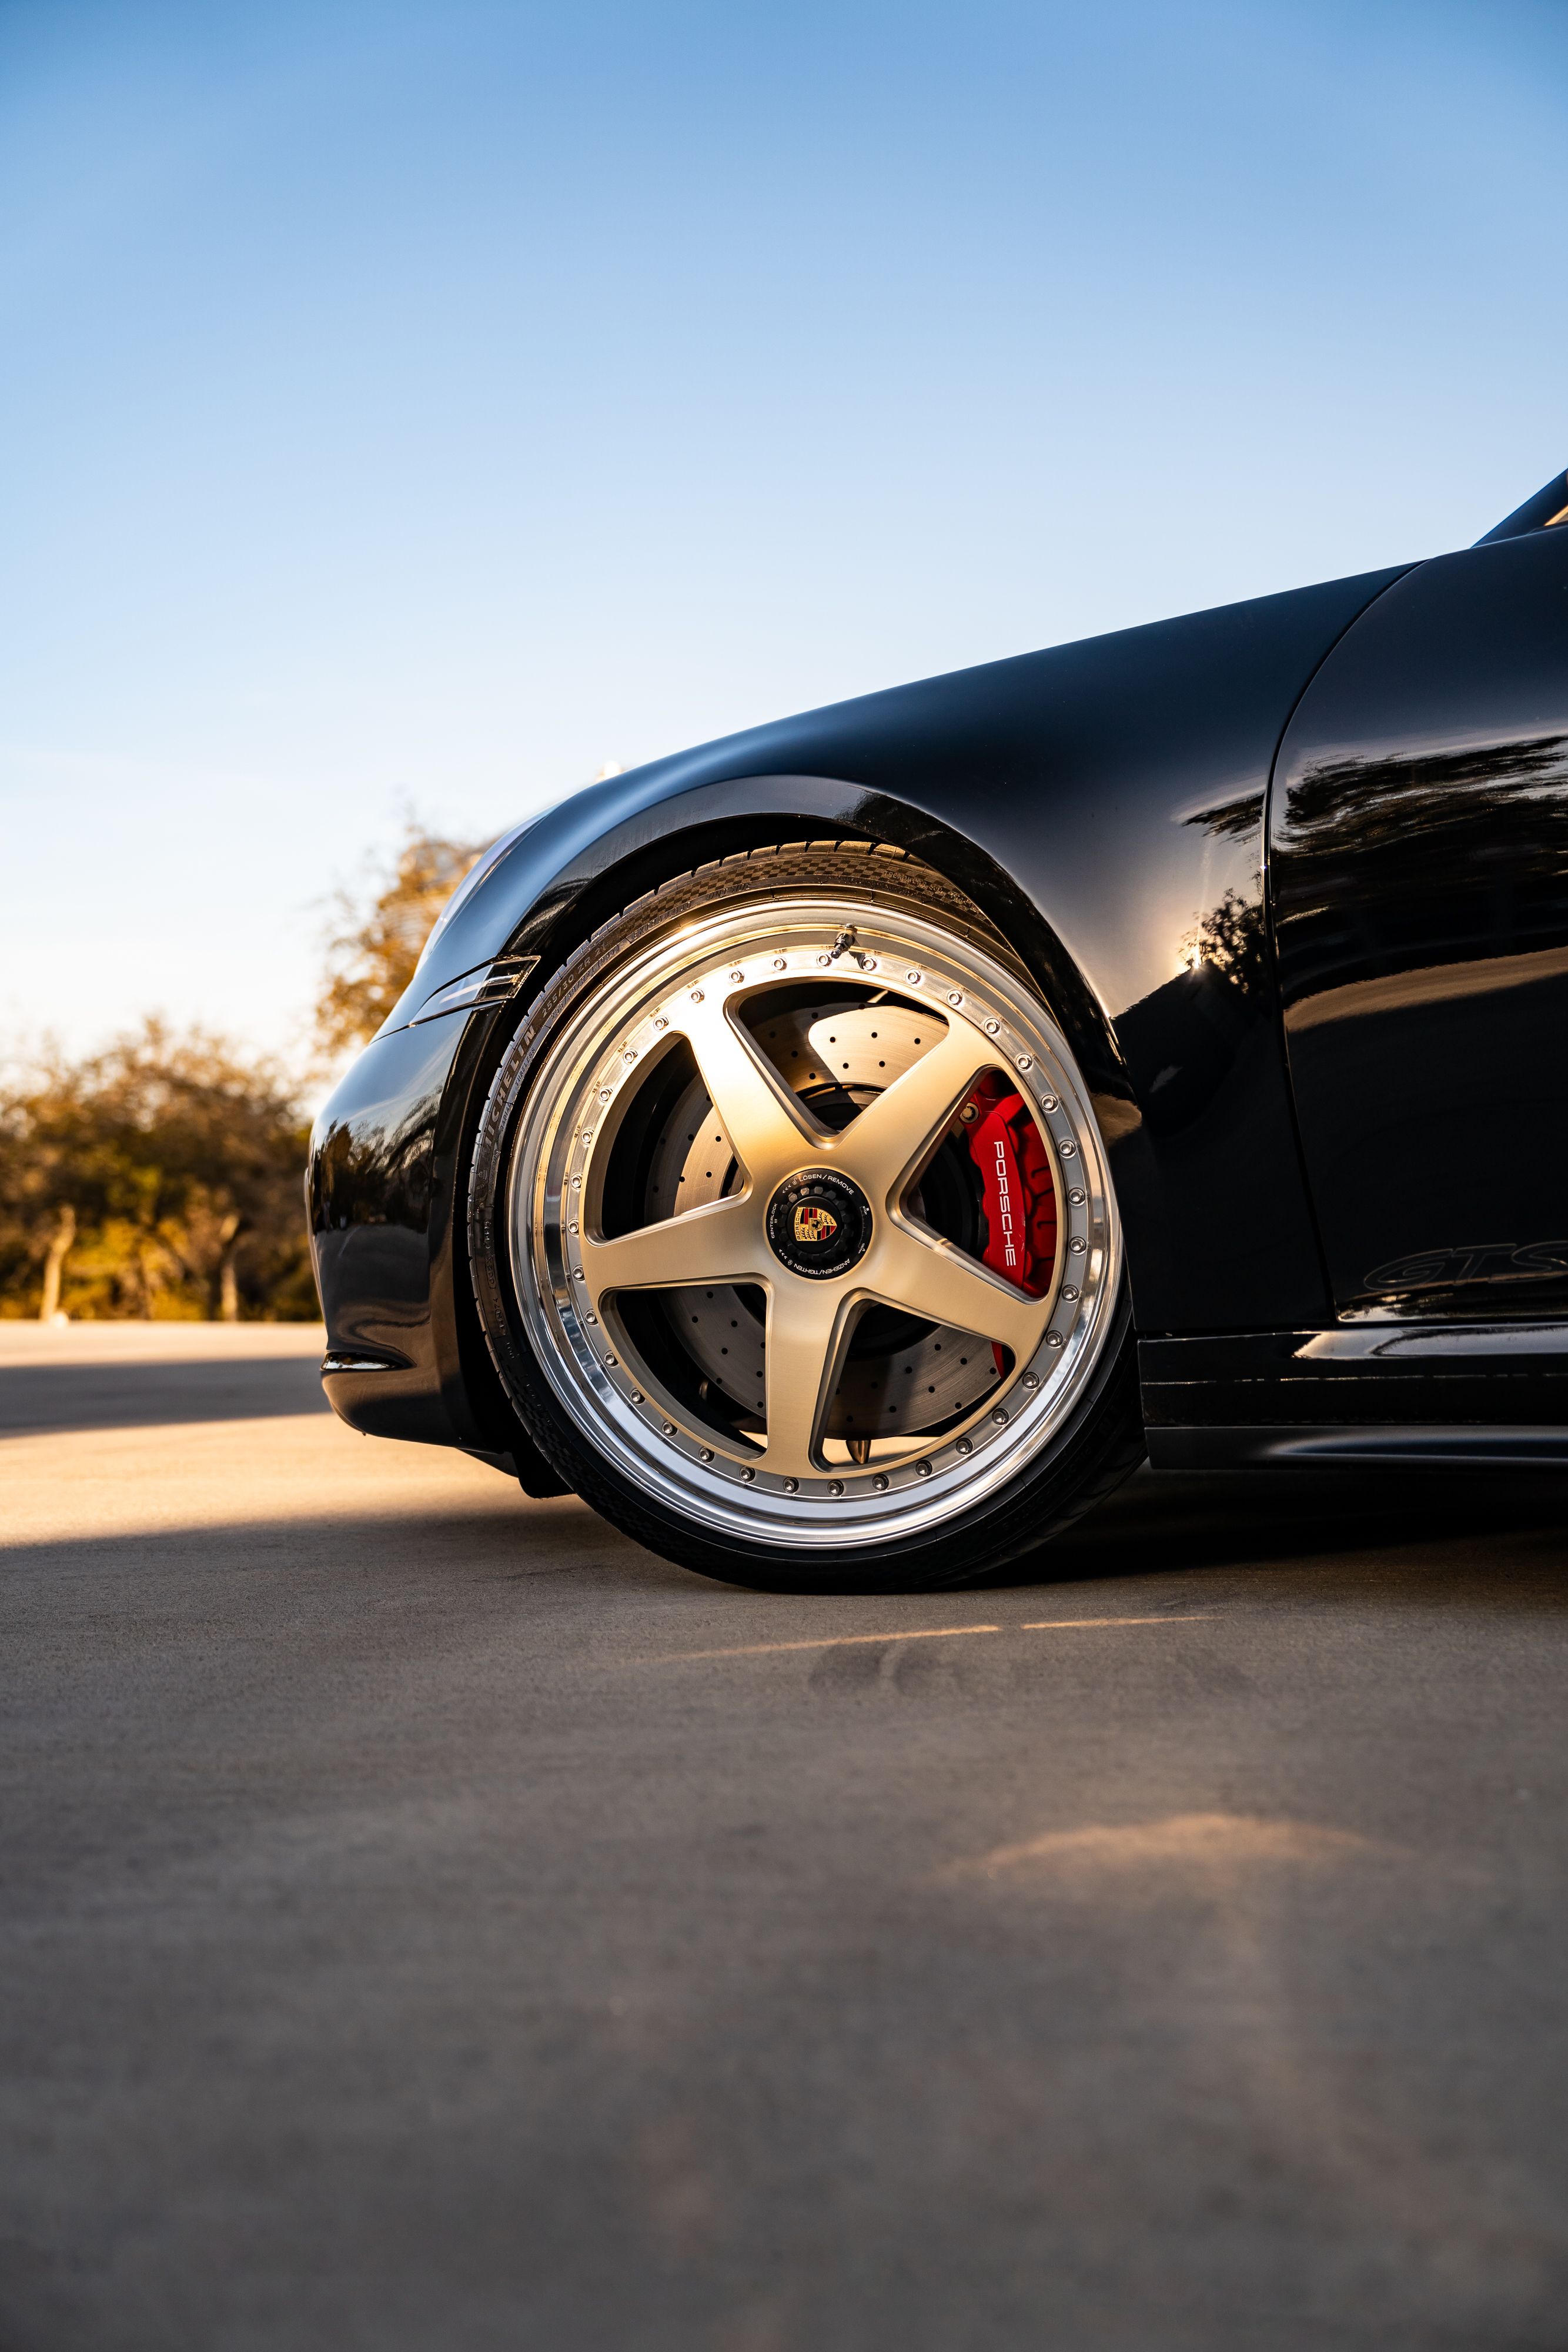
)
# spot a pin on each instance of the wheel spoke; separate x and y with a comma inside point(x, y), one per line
point(928, 1277)
point(809, 1329)
point(893, 1135)
point(720, 1242)
point(768, 1130)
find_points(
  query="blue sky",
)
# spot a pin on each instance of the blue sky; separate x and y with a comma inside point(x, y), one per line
point(418, 406)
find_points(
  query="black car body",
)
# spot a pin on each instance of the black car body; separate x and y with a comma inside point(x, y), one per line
point(1293, 876)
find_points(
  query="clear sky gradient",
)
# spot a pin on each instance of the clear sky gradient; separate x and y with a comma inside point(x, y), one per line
point(415, 407)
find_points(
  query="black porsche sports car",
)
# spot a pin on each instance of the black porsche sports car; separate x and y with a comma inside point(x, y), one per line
point(840, 1153)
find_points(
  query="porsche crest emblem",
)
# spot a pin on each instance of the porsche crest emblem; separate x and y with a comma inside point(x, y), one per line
point(813, 1239)
point(813, 1224)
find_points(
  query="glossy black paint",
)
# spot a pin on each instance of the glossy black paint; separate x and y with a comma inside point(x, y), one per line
point(1535, 1445)
point(1106, 802)
point(1400, 1374)
point(1420, 872)
point(404, 1354)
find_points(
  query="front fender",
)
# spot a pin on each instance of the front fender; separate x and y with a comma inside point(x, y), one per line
point(1101, 801)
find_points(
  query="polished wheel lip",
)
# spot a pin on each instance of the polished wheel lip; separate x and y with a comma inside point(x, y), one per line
point(585, 1081)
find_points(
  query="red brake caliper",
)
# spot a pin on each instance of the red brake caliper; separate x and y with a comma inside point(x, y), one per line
point(1019, 1198)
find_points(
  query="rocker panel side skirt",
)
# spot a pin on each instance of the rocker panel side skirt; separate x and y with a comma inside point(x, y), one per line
point(1492, 1395)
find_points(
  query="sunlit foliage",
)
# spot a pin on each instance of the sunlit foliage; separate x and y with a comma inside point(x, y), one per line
point(377, 940)
point(163, 1177)
point(160, 1178)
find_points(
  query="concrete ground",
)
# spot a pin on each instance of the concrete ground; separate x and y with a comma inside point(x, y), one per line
point(431, 1924)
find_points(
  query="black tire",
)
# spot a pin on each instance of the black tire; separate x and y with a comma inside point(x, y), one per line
point(1094, 1447)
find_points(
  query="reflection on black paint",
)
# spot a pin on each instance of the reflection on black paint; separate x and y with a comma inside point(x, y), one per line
point(1444, 1279)
point(1405, 861)
point(372, 1175)
point(1237, 820)
point(1419, 858)
point(372, 1192)
point(1182, 1040)
point(1181, 1044)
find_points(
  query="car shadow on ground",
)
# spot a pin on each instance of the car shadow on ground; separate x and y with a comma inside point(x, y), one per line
point(521, 1542)
point(39, 1400)
point(1157, 1523)
point(1170, 1520)
point(1462, 1542)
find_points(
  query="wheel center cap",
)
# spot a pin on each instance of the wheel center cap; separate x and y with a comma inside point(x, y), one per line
point(819, 1223)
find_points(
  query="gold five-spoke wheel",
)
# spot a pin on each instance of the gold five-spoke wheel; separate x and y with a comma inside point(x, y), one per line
point(811, 1318)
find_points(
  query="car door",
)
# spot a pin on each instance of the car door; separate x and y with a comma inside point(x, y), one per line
point(1418, 855)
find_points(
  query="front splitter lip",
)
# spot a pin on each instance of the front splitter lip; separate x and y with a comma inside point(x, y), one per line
point(645, 1432)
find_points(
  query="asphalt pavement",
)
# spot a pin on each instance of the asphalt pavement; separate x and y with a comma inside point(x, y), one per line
point(431, 1924)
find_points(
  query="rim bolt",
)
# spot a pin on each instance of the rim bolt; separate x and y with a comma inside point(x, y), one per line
point(824, 961)
point(1068, 1151)
point(993, 1028)
point(738, 975)
point(779, 963)
point(660, 1022)
point(1031, 1380)
point(697, 997)
point(1048, 1102)
point(611, 1361)
point(880, 1482)
point(954, 997)
point(604, 1094)
point(705, 1454)
point(748, 1475)
point(915, 976)
point(835, 1485)
point(966, 1446)
point(1025, 1062)
point(868, 963)
point(1069, 1290)
point(592, 1318)
point(1078, 1244)
point(999, 1417)
point(636, 1396)
point(791, 1485)
point(924, 1468)
point(1077, 1196)
point(669, 1429)
point(1054, 1340)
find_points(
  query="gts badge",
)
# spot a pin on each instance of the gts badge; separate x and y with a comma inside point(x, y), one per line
point(814, 1225)
point(1465, 1264)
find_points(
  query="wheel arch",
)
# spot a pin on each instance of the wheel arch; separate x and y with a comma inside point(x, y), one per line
point(714, 825)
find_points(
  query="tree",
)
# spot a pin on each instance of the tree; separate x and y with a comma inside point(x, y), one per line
point(163, 1177)
point(159, 1177)
point(372, 953)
